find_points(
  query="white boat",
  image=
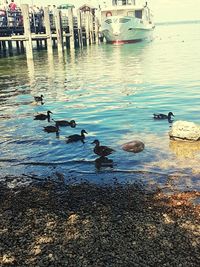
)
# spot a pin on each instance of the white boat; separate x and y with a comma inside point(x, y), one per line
point(126, 21)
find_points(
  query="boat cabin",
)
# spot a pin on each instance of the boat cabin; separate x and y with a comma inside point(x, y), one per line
point(126, 8)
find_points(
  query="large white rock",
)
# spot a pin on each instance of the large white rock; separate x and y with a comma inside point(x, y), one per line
point(185, 130)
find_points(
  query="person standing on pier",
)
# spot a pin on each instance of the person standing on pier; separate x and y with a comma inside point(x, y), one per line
point(12, 6)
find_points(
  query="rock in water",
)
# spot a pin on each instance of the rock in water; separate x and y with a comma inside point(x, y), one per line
point(134, 146)
point(185, 130)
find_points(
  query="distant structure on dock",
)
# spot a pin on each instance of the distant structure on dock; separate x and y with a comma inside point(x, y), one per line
point(50, 27)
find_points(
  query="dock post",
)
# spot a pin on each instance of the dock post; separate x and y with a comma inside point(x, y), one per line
point(80, 34)
point(59, 31)
point(4, 45)
point(22, 46)
point(10, 48)
point(87, 30)
point(27, 30)
point(48, 30)
point(92, 28)
point(17, 45)
point(71, 27)
point(96, 30)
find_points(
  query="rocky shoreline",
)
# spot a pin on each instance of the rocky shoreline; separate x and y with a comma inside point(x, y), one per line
point(53, 224)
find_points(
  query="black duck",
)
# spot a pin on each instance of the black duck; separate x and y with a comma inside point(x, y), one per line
point(102, 151)
point(71, 123)
point(43, 116)
point(163, 116)
point(38, 98)
point(76, 137)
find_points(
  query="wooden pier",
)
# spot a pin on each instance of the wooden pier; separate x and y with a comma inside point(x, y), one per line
point(74, 29)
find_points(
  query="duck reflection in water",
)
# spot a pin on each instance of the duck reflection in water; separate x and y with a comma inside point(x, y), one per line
point(103, 152)
point(52, 129)
point(103, 162)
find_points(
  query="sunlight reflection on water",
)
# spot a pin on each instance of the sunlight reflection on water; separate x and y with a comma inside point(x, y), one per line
point(112, 92)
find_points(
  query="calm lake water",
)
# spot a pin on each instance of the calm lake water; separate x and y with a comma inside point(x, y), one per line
point(111, 92)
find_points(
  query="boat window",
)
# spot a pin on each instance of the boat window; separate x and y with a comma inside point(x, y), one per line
point(123, 2)
point(138, 14)
point(123, 20)
point(108, 21)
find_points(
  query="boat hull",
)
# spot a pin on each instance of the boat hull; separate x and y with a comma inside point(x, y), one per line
point(131, 31)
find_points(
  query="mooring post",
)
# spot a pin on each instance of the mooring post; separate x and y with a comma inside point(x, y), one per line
point(48, 30)
point(92, 27)
point(87, 31)
point(79, 21)
point(27, 30)
point(22, 46)
point(71, 26)
point(17, 45)
point(96, 30)
point(10, 46)
point(59, 31)
point(4, 45)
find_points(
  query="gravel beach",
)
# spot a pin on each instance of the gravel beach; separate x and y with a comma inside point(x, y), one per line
point(53, 224)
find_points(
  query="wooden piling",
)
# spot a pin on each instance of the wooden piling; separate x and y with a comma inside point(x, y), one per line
point(38, 44)
point(87, 31)
point(96, 30)
point(17, 45)
point(27, 31)
point(4, 45)
point(80, 33)
point(90, 26)
point(9, 46)
point(59, 31)
point(71, 27)
point(48, 30)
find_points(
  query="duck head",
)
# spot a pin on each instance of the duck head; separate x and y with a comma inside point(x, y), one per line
point(72, 123)
point(48, 112)
point(83, 131)
point(96, 142)
point(170, 114)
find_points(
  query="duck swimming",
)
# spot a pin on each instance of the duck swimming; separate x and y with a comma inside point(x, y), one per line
point(163, 116)
point(38, 98)
point(76, 137)
point(71, 123)
point(51, 129)
point(43, 116)
point(102, 151)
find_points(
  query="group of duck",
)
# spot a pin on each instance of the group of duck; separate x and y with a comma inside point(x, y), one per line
point(101, 151)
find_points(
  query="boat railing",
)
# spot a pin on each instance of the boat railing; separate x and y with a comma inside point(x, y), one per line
point(123, 2)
